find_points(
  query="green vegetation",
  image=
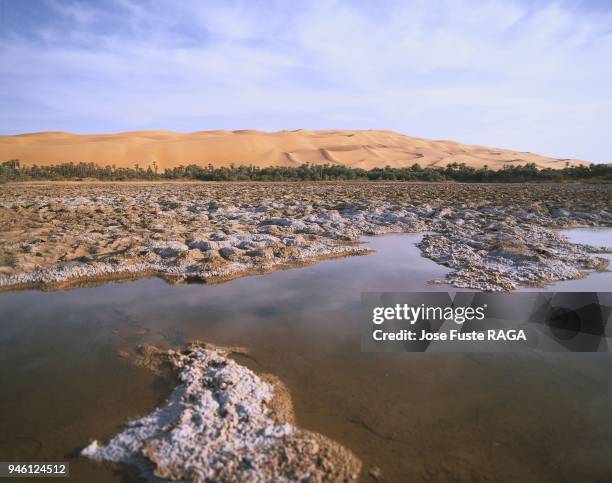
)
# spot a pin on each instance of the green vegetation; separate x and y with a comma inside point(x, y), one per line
point(12, 170)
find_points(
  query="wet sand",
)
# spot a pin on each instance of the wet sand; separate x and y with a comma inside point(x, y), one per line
point(416, 417)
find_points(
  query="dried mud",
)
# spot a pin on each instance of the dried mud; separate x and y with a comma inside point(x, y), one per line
point(492, 236)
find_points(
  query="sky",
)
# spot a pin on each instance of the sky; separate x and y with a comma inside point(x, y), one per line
point(531, 75)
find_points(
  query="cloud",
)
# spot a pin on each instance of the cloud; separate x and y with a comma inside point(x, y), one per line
point(528, 75)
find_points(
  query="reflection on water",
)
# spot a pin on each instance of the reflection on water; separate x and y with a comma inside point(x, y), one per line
point(417, 416)
point(596, 236)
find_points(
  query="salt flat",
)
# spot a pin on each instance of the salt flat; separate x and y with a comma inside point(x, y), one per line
point(493, 237)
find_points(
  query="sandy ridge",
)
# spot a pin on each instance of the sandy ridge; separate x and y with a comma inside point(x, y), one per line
point(362, 149)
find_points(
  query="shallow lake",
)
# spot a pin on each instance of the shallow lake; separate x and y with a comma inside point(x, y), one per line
point(538, 417)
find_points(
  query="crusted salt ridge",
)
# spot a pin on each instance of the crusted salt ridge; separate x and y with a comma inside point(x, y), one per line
point(507, 257)
point(219, 425)
point(491, 237)
point(176, 273)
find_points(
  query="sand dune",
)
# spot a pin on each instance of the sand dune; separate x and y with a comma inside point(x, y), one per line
point(364, 149)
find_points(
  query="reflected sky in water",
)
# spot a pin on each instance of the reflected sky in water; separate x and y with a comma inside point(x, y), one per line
point(413, 415)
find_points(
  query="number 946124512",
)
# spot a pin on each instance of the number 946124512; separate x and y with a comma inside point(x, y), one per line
point(29, 469)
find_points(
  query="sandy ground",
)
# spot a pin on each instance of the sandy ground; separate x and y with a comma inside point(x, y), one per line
point(493, 237)
point(358, 149)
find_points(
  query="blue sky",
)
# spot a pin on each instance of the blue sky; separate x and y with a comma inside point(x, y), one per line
point(529, 75)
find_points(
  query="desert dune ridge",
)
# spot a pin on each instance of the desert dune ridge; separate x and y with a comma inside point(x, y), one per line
point(168, 149)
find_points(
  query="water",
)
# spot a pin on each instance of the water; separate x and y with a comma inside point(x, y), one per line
point(533, 417)
point(596, 236)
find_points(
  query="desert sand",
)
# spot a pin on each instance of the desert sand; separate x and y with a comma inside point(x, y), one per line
point(357, 149)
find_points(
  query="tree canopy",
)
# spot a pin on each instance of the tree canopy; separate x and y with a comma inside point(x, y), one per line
point(13, 170)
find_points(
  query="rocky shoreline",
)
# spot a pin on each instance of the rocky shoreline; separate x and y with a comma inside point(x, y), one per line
point(223, 423)
point(492, 236)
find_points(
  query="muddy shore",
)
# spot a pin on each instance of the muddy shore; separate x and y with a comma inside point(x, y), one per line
point(223, 423)
point(492, 236)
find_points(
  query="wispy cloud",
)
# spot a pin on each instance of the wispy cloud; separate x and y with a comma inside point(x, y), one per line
point(529, 75)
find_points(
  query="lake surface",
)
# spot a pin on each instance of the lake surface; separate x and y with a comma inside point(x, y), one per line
point(528, 417)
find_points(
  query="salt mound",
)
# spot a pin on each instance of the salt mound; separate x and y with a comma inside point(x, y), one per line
point(223, 424)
